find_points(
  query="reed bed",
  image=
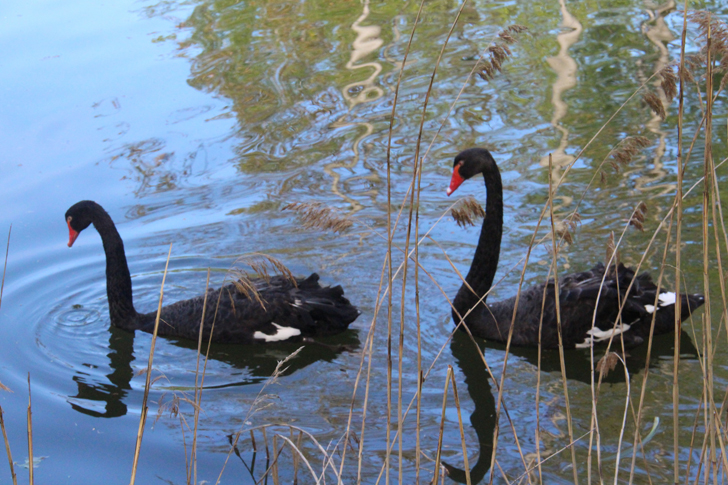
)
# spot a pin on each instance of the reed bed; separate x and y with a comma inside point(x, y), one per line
point(292, 454)
point(713, 459)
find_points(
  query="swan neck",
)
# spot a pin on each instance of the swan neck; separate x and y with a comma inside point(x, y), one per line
point(118, 279)
point(485, 262)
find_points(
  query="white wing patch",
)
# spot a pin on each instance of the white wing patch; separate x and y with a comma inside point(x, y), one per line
point(296, 303)
point(667, 298)
point(282, 333)
point(598, 335)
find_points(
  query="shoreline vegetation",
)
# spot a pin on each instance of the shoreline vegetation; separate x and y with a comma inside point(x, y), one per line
point(292, 454)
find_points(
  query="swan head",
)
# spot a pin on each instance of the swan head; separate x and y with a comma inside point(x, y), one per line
point(79, 217)
point(468, 163)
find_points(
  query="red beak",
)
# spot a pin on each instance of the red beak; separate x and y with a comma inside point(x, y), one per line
point(455, 181)
point(72, 235)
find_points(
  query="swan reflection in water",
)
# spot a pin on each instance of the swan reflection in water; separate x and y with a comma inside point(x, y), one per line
point(578, 367)
point(107, 399)
point(482, 420)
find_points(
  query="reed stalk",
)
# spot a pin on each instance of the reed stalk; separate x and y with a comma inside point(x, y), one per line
point(624, 420)
point(5, 266)
point(2, 420)
point(198, 388)
point(460, 423)
point(31, 464)
point(442, 427)
point(390, 236)
point(678, 251)
point(643, 391)
point(707, 205)
point(555, 257)
point(143, 417)
point(538, 386)
point(415, 205)
point(7, 447)
point(274, 466)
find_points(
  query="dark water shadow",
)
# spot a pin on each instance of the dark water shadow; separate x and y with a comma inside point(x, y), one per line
point(259, 361)
point(482, 420)
point(112, 393)
point(577, 362)
point(578, 367)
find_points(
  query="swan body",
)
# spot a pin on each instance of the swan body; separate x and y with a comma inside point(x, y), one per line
point(290, 310)
point(580, 299)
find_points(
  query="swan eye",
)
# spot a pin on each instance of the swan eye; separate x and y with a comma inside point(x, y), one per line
point(69, 219)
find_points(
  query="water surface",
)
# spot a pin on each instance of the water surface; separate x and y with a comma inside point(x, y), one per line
point(194, 123)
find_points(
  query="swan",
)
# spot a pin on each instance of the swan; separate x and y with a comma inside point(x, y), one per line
point(578, 292)
point(290, 310)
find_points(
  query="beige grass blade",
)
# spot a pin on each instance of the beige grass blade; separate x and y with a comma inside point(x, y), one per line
point(5, 266)
point(442, 426)
point(143, 418)
point(7, 447)
point(31, 464)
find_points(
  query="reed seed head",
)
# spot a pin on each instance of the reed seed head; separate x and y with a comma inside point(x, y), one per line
point(261, 265)
point(638, 216)
point(499, 51)
point(467, 211)
point(171, 407)
point(655, 104)
point(516, 29)
point(711, 25)
point(669, 82)
point(607, 363)
point(507, 37)
point(627, 149)
point(568, 226)
point(317, 216)
point(610, 250)
point(565, 234)
point(686, 73)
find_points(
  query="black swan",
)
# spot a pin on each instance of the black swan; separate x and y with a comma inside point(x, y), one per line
point(295, 311)
point(577, 292)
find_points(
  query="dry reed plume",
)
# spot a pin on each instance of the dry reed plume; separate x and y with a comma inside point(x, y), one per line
point(623, 154)
point(607, 363)
point(466, 211)
point(709, 23)
point(638, 216)
point(612, 254)
point(317, 216)
point(499, 51)
point(655, 103)
point(261, 265)
point(566, 228)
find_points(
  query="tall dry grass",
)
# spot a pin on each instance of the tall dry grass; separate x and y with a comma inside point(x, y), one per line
point(2, 387)
point(666, 236)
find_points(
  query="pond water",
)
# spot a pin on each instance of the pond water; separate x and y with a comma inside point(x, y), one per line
point(194, 123)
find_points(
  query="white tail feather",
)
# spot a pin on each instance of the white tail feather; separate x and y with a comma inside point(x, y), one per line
point(282, 333)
